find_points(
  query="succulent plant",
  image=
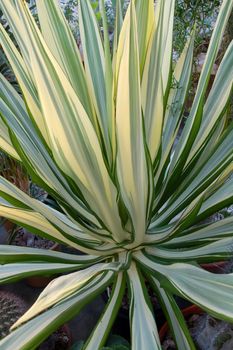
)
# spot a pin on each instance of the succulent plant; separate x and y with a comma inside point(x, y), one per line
point(104, 135)
point(12, 308)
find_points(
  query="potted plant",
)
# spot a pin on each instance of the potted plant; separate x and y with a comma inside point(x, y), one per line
point(104, 140)
point(13, 171)
point(12, 307)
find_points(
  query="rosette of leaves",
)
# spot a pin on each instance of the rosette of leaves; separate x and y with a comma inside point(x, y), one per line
point(104, 139)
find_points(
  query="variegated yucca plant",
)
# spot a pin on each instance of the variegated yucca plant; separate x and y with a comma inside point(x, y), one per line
point(103, 137)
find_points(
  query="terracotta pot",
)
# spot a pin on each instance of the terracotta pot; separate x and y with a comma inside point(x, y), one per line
point(9, 226)
point(188, 311)
point(217, 267)
point(42, 281)
point(6, 229)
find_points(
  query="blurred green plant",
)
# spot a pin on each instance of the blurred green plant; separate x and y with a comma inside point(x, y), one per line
point(187, 13)
point(203, 13)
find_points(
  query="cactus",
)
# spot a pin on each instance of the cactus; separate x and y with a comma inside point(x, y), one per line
point(11, 308)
